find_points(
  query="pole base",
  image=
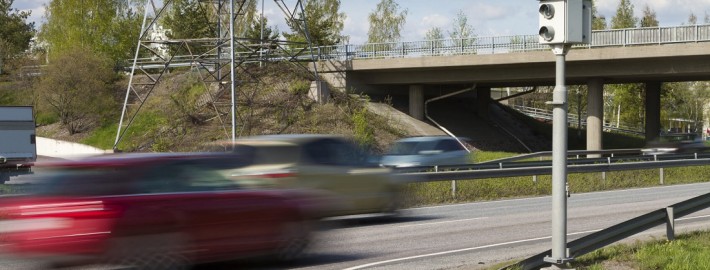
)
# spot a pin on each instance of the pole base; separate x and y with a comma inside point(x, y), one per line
point(557, 261)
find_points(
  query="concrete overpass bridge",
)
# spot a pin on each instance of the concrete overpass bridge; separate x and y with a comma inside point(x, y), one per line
point(418, 69)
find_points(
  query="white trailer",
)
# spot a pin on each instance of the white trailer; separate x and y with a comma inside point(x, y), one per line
point(18, 148)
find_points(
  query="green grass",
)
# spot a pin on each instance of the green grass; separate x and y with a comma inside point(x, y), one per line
point(688, 251)
point(146, 124)
point(432, 193)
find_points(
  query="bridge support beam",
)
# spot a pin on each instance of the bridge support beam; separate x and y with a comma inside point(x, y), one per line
point(653, 110)
point(595, 115)
point(416, 101)
point(483, 98)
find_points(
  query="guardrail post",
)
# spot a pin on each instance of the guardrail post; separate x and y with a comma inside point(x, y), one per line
point(660, 172)
point(670, 224)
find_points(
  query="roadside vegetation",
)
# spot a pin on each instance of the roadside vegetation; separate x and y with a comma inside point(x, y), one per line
point(687, 251)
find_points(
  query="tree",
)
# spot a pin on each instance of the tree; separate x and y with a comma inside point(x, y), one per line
point(189, 19)
point(386, 22)
point(692, 19)
point(325, 23)
point(77, 85)
point(685, 100)
point(706, 20)
point(254, 30)
point(434, 36)
point(598, 21)
point(462, 31)
point(109, 27)
point(434, 33)
point(624, 17)
point(15, 33)
point(649, 17)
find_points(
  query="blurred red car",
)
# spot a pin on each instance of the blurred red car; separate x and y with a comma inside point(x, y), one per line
point(150, 211)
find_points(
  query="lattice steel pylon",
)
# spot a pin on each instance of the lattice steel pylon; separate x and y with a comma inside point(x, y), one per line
point(216, 58)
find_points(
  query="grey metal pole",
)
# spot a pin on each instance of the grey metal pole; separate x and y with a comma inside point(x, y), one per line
point(130, 80)
point(559, 161)
point(231, 68)
point(261, 41)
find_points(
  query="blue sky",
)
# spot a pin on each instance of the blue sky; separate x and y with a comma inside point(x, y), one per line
point(488, 17)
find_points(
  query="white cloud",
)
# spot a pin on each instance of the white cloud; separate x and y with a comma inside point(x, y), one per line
point(485, 11)
point(434, 20)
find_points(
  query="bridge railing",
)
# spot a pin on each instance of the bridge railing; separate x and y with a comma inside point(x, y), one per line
point(512, 44)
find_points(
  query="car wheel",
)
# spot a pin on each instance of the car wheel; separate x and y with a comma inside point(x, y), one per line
point(394, 203)
point(153, 252)
point(295, 237)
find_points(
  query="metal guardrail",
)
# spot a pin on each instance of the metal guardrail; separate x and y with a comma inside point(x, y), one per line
point(570, 153)
point(532, 168)
point(513, 44)
point(448, 47)
point(572, 119)
point(623, 230)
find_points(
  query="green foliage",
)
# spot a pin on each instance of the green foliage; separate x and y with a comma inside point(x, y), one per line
point(631, 98)
point(108, 27)
point(624, 17)
point(189, 19)
point(15, 33)
point(364, 133)
point(435, 33)
point(649, 17)
point(325, 23)
point(386, 22)
point(199, 19)
point(598, 21)
point(300, 87)
point(684, 100)
point(253, 32)
point(78, 89)
point(46, 118)
point(462, 31)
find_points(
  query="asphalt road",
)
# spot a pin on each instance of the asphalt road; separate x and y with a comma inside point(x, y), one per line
point(479, 235)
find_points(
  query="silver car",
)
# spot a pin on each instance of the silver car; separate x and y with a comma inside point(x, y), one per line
point(426, 151)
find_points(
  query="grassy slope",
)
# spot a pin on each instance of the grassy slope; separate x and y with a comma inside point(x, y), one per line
point(170, 120)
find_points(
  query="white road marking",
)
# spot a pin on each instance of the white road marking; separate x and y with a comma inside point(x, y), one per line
point(480, 247)
point(458, 250)
point(440, 222)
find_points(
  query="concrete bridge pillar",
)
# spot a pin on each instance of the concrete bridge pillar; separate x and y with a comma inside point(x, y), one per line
point(416, 101)
point(653, 110)
point(595, 115)
point(483, 97)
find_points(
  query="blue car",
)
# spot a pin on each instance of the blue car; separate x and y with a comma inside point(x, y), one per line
point(426, 151)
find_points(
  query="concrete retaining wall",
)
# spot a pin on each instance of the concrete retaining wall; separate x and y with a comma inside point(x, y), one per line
point(66, 150)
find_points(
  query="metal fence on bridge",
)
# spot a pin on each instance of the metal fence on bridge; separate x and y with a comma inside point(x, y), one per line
point(513, 44)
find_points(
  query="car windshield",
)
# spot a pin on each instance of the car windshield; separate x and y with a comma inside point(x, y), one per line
point(84, 182)
point(677, 137)
point(418, 147)
point(411, 148)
